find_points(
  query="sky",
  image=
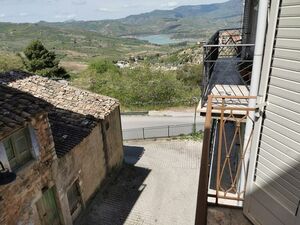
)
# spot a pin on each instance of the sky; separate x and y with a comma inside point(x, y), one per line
point(62, 10)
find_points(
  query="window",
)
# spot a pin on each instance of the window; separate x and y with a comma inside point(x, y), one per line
point(74, 199)
point(18, 149)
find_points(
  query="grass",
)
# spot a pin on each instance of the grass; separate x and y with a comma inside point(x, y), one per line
point(10, 61)
point(195, 136)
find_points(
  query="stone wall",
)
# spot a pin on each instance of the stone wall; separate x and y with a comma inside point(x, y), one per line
point(84, 164)
point(17, 199)
point(88, 164)
point(114, 140)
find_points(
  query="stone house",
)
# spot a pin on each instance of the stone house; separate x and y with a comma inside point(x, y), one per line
point(60, 141)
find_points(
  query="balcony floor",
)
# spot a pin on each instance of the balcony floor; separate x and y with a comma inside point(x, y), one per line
point(226, 80)
point(226, 216)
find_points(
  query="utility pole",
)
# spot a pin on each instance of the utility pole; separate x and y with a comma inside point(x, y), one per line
point(195, 99)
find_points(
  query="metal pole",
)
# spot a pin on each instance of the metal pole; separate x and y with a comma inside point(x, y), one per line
point(143, 133)
point(168, 131)
point(195, 114)
point(220, 145)
point(201, 210)
point(255, 79)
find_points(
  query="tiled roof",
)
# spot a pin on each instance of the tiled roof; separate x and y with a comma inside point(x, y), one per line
point(17, 108)
point(61, 95)
point(72, 112)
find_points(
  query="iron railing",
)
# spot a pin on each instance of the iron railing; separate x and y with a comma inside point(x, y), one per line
point(226, 46)
point(223, 169)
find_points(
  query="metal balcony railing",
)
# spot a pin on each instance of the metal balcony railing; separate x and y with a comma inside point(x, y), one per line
point(227, 61)
point(223, 167)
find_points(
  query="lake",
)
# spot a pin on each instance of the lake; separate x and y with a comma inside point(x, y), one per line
point(159, 39)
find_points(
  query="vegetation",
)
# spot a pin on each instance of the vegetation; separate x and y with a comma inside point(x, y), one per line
point(195, 136)
point(10, 61)
point(42, 62)
point(139, 87)
point(74, 44)
point(190, 75)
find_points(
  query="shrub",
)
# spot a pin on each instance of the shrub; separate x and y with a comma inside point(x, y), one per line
point(141, 87)
point(102, 66)
point(9, 61)
point(191, 75)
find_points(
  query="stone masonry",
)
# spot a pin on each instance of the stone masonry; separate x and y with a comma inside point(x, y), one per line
point(77, 138)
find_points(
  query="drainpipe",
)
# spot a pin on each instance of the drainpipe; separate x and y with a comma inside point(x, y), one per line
point(255, 80)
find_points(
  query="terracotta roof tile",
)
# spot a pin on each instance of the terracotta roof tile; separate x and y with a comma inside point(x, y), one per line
point(60, 94)
point(72, 112)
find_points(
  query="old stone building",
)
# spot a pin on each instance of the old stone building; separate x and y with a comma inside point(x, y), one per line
point(60, 141)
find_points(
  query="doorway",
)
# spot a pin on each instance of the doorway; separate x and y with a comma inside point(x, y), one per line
point(47, 209)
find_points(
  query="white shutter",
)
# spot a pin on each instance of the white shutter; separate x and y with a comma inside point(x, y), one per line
point(274, 193)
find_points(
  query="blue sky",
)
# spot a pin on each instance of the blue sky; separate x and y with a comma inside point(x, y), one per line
point(62, 10)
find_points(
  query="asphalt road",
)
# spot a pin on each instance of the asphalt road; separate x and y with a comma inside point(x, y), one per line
point(159, 119)
point(159, 124)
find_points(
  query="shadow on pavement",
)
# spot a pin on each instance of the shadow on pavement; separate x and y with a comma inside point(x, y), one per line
point(132, 154)
point(113, 205)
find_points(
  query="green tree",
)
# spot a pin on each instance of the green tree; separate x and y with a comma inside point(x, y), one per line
point(39, 60)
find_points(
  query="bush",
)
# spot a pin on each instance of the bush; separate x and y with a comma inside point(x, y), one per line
point(141, 87)
point(102, 66)
point(191, 75)
point(9, 61)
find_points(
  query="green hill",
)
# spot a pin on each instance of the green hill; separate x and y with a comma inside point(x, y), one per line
point(183, 22)
point(73, 43)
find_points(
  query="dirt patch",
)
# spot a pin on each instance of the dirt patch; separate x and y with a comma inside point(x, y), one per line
point(74, 67)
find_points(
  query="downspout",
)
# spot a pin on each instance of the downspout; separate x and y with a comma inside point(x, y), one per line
point(255, 80)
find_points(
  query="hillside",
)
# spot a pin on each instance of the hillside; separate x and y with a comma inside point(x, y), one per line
point(71, 43)
point(183, 22)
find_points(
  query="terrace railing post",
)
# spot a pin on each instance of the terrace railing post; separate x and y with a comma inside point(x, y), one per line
point(220, 146)
point(201, 210)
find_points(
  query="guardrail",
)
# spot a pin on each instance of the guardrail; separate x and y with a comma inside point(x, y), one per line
point(161, 131)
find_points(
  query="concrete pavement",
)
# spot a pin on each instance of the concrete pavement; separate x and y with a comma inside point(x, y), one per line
point(158, 186)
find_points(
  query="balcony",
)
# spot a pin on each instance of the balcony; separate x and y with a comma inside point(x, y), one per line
point(227, 69)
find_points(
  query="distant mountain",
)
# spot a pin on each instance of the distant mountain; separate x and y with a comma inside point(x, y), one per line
point(183, 22)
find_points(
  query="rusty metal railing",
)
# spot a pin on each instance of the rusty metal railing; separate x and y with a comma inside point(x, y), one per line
point(220, 149)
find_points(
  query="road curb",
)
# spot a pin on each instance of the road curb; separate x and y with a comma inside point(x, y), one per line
point(143, 113)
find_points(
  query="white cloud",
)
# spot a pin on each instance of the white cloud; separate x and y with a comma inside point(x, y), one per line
point(103, 9)
point(65, 16)
point(23, 14)
point(79, 2)
point(172, 4)
point(2, 15)
point(71, 16)
point(169, 5)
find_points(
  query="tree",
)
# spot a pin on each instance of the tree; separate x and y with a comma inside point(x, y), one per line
point(39, 60)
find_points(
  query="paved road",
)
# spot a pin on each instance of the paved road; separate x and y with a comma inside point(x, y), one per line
point(159, 124)
point(157, 187)
point(159, 119)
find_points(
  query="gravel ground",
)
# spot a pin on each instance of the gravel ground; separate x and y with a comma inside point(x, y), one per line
point(158, 185)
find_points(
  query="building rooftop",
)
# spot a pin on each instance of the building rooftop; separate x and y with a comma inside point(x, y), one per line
point(72, 112)
point(17, 108)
